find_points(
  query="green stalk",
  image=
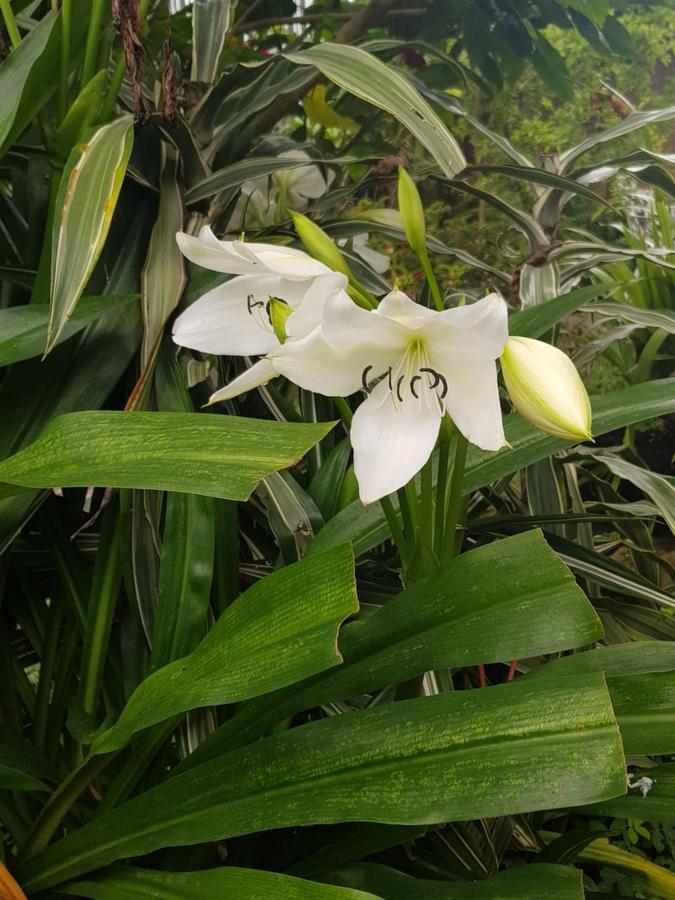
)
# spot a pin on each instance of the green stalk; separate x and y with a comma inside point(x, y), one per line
point(396, 530)
point(442, 483)
point(93, 36)
point(47, 664)
point(344, 409)
point(408, 513)
point(648, 355)
point(144, 752)
point(427, 502)
point(431, 281)
point(64, 58)
point(452, 515)
point(104, 592)
point(113, 89)
point(10, 23)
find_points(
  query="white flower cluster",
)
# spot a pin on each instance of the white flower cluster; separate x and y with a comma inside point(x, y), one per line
point(413, 364)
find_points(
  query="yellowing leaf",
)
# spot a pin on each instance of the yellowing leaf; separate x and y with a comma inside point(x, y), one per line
point(320, 112)
point(86, 200)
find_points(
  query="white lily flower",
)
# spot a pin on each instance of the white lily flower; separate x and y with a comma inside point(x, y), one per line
point(263, 201)
point(233, 319)
point(414, 363)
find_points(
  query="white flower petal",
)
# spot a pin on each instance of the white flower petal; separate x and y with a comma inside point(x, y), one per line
point(345, 324)
point(479, 330)
point(308, 314)
point(315, 365)
point(391, 441)
point(259, 373)
point(307, 182)
point(288, 261)
point(472, 400)
point(400, 308)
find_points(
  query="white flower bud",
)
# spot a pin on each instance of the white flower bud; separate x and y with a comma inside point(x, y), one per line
point(546, 389)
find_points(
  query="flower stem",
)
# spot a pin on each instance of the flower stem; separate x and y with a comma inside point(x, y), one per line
point(431, 281)
point(64, 57)
point(345, 411)
point(396, 530)
point(452, 516)
point(93, 38)
point(442, 483)
point(10, 23)
point(427, 502)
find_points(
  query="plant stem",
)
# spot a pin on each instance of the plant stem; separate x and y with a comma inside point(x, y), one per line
point(395, 528)
point(64, 58)
point(452, 515)
point(648, 355)
point(431, 281)
point(93, 36)
point(427, 502)
point(442, 483)
point(345, 411)
point(10, 23)
point(113, 89)
point(408, 514)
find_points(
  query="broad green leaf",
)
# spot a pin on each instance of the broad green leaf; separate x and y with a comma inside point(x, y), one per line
point(657, 806)
point(367, 77)
point(458, 755)
point(461, 616)
point(368, 527)
point(80, 116)
point(212, 884)
point(163, 276)
point(86, 201)
point(659, 488)
point(23, 329)
point(641, 682)
point(530, 882)
point(211, 23)
point(650, 318)
point(281, 630)
point(196, 453)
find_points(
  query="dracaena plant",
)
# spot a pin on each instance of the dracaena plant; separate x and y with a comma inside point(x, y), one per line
point(213, 682)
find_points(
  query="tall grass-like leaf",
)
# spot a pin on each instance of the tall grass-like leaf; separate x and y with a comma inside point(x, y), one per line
point(531, 882)
point(213, 884)
point(649, 318)
point(367, 77)
point(211, 23)
point(282, 629)
point(659, 488)
point(213, 455)
point(163, 276)
point(458, 755)
point(85, 203)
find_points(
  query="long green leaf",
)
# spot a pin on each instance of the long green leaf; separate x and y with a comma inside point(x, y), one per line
point(213, 884)
point(22, 768)
point(532, 175)
point(537, 320)
point(85, 200)
point(368, 527)
point(532, 882)
point(458, 755)
point(659, 488)
point(367, 77)
point(650, 318)
point(23, 329)
point(213, 455)
point(461, 616)
point(281, 630)
point(211, 23)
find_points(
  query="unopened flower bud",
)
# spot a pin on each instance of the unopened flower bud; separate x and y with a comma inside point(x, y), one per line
point(319, 245)
point(546, 389)
point(412, 212)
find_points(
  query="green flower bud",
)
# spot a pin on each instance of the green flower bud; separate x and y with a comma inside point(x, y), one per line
point(546, 389)
point(412, 213)
point(319, 245)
